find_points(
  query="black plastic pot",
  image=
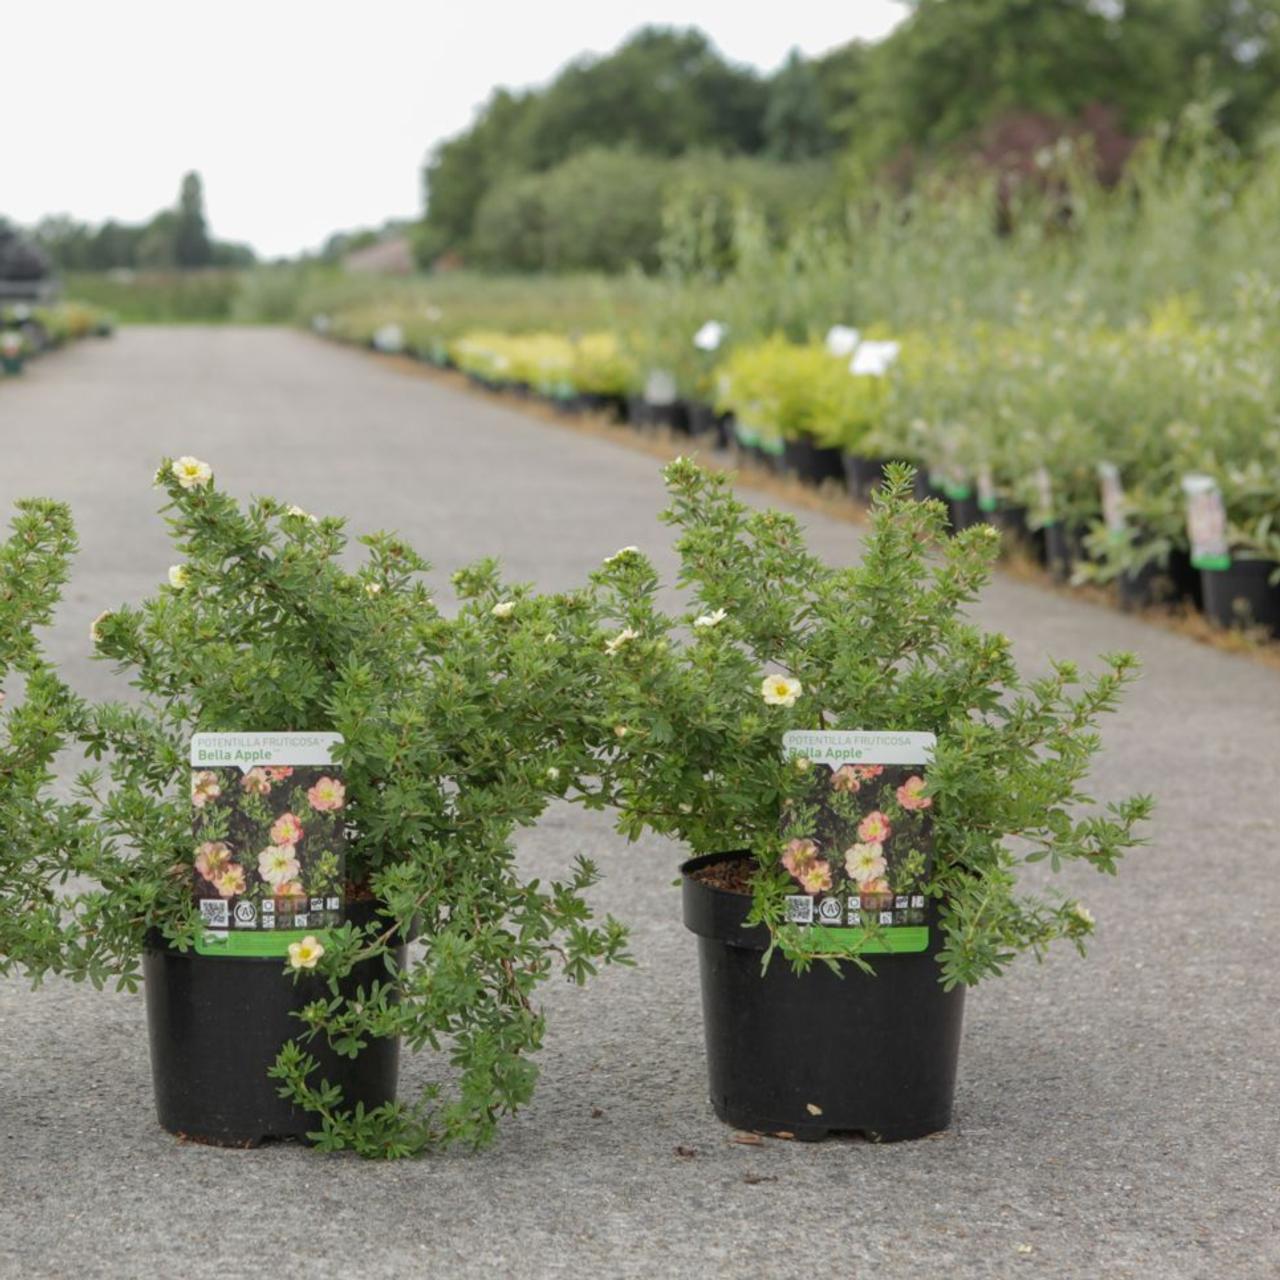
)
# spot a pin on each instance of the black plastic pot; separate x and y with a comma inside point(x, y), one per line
point(815, 1053)
point(673, 416)
point(964, 512)
point(703, 421)
point(638, 411)
point(862, 475)
point(611, 407)
point(1242, 596)
point(1062, 548)
point(1157, 583)
point(216, 1024)
point(812, 463)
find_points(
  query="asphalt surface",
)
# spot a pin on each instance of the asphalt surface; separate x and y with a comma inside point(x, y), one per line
point(1114, 1117)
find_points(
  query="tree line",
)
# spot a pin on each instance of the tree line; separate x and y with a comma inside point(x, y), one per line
point(577, 174)
point(176, 238)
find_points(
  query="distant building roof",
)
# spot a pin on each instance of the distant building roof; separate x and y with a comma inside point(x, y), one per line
point(389, 258)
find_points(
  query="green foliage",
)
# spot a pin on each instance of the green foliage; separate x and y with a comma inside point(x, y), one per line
point(174, 238)
point(778, 388)
point(161, 297)
point(455, 732)
point(663, 93)
point(191, 247)
point(41, 836)
point(883, 646)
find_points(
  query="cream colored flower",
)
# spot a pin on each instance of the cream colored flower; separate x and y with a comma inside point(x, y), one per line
point(191, 473)
point(278, 864)
point(780, 691)
point(373, 588)
point(178, 576)
point(94, 634)
point(304, 954)
point(1083, 914)
point(625, 636)
point(553, 774)
point(503, 609)
point(620, 730)
point(705, 621)
point(622, 551)
point(294, 510)
point(865, 862)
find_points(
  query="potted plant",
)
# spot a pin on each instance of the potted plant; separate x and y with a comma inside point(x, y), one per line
point(38, 833)
point(442, 735)
point(12, 349)
point(801, 1038)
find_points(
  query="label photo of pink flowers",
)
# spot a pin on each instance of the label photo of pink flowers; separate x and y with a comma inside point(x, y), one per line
point(858, 844)
point(269, 846)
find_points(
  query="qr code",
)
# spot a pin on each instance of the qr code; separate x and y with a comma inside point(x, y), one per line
point(800, 910)
point(214, 912)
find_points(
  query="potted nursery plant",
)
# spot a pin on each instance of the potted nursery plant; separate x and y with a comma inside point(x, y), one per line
point(318, 765)
point(849, 759)
point(38, 833)
point(12, 348)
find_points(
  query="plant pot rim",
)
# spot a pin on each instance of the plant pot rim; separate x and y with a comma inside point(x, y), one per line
point(716, 913)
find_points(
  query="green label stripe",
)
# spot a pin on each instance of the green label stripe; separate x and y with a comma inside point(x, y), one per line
point(899, 939)
point(957, 492)
point(1211, 562)
point(263, 943)
point(988, 504)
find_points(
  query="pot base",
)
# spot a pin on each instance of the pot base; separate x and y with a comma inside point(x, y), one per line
point(820, 1053)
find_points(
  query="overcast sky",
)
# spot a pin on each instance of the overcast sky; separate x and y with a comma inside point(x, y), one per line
point(304, 118)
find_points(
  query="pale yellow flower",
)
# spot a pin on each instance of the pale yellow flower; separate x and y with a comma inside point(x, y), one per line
point(191, 473)
point(373, 588)
point(294, 510)
point(503, 609)
point(780, 691)
point(178, 576)
point(624, 636)
point(94, 634)
point(865, 862)
point(1083, 914)
point(304, 954)
point(705, 621)
point(622, 551)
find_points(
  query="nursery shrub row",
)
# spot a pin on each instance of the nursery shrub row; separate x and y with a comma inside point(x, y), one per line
point(1147, 457)
point(28, 331)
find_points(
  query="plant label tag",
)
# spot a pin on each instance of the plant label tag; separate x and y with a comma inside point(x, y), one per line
point(1044, 493)
point(1113, 499)
point(660, 387)
point(842, 340)
point(1206, 523)
point(987, 500)
point(710, 336)
point(268, 820)
point(858, 838)
point(874, 359)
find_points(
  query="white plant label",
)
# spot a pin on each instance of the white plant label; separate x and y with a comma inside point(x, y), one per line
point(269, 830)
point(987, 499)
point(1206, 523)
point(1044, 491)
point(710, 336)
point(660, 387)
point(874, 359)
point(842, 340)
point(1113, 499)
point(859, 844)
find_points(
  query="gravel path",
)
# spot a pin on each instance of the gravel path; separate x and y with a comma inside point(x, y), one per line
point(1116, 1117)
